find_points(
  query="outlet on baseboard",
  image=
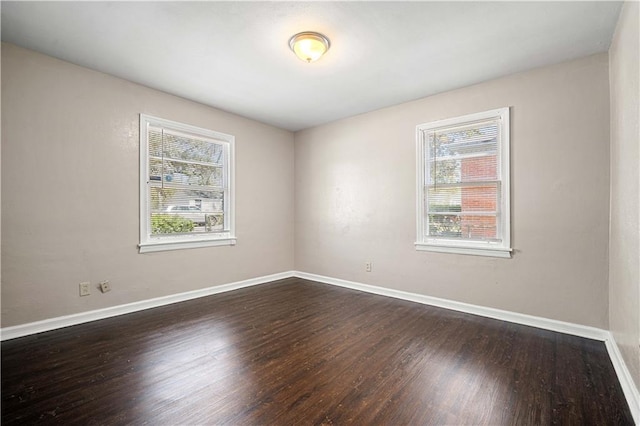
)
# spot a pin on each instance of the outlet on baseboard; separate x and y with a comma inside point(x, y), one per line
point(367, 266)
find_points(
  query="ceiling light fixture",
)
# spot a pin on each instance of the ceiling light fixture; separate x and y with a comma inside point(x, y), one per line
point(309, 46)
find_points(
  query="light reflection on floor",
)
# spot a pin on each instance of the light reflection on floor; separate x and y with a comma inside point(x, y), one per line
point(176, 379)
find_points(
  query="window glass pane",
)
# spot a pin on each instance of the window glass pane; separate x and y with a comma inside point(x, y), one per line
point(464, 227)
point(445, 171)
point(191, 149)
point(464, 142)
point(463, 154)
point(179, 173)
point(155, 170)
point(205, 201)
point(479, 198)
point(464, 198)
point(155, 142)
point(172, 209)
point(479, 168)
point(164, 224)
point(444, 226)
point(444, 199)
point(478, 227)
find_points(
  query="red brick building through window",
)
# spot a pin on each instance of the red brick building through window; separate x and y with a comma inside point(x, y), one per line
point(481, 199)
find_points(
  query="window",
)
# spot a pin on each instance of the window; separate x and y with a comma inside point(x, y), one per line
point(463, 185)
point(186, 186)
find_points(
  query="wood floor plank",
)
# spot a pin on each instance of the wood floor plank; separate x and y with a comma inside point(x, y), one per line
point(298, 352)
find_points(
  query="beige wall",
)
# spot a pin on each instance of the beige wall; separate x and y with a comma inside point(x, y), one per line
point(355, 197)
point(70, 192)
point(624, 247)
point(70, 211)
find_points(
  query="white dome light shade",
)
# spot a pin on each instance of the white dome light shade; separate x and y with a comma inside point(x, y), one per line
point(309, 46)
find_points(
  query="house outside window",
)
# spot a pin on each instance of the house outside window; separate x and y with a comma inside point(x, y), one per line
point(463, 185)
point(186, 186)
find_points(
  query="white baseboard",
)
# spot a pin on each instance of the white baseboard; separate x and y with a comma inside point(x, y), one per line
point(21, 330)
point(530, 320)
point(624, 376)
point(626, 381)
point(13, 332)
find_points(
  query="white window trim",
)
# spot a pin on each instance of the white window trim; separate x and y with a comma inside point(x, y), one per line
point(149, 243)
point(479, 248)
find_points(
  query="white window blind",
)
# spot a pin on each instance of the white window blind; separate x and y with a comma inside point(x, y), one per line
point(463, 186)
point(186, 186)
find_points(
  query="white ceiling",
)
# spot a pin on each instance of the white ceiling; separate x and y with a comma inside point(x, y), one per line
point(235, 55)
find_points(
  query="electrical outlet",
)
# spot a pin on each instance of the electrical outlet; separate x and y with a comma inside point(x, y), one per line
point(85, 289)
point(367, 266)
point(105, 286)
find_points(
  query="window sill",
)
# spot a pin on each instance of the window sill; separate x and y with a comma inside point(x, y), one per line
point(150, 247)
point(474, 251)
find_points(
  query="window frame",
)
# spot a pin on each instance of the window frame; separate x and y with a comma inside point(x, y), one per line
point(503, 216)
point(150, 243)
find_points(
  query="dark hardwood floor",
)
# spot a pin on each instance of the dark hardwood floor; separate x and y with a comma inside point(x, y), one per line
point(299, 352)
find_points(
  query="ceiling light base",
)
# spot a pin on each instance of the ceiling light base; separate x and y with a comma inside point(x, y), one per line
point(309, 46)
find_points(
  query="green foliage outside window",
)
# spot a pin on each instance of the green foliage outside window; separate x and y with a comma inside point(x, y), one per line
point(445, 225)
point(170, 224)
